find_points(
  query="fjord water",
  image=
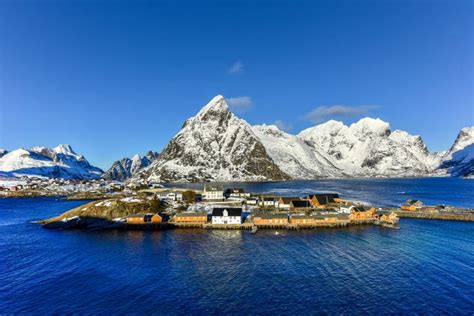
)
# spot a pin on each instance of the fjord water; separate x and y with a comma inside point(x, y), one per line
point(427, 266)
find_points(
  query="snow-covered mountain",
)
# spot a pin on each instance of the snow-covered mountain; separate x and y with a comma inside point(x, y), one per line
point(125, 168)
point(296, 157)
point(369, 148)
point(214, 145)
point(459, 160)
point(57, 162)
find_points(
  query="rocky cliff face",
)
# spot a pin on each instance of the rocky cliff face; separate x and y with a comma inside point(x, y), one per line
point(125, 168)
point(214, 145)
point(459, 160)
point(58, 162)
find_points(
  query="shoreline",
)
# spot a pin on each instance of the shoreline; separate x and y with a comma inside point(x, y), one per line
point(109, 225)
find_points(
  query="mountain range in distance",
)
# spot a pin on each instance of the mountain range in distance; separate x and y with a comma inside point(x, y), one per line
point(216, 145)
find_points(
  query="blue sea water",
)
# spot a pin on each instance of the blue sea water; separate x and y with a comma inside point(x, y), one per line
point(381, 192)
point(426, 266)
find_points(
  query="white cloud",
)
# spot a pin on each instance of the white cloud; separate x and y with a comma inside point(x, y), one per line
point(236, 68)
point(324, 112)
point(239, 104)
point(286, 127)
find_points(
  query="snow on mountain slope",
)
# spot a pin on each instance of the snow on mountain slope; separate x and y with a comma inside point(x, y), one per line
point(214, 145)
point(459, 160)
point(417, 148)
point(3, 152)
point(368, 148)
point(294, 155)
point(125, 168)
point(58, 162)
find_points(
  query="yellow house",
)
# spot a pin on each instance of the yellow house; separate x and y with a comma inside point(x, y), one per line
point(191, 218)
point(323, 199)
point(271, 219)
point(302, 220)
point(360, 213)
point(412, 205)
point(138, 218)
point(300, 205)
point(330, 218)
point(156, 218)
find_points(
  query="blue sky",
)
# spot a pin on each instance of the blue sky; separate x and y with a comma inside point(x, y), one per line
point(114, 78)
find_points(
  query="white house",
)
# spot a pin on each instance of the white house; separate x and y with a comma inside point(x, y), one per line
point(230, 215)
point(170, 196)
point(284, 202)
point(346, 209)
point(268, 201)
point(213, 193)
point(236, 193)
point(252, 201)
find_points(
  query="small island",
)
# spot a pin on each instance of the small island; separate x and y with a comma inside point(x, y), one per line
point(234, 208)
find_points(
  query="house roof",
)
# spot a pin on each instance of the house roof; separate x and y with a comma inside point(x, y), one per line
point(268, 198)
point(324, 198)
point(235, 190)
point(287, 200)
point(210, 188)
point(139, 215)
point(338, 216)
point(301, 216)
point(300, 203)
point(232, 211)
point(272, 216)
point(359, 208)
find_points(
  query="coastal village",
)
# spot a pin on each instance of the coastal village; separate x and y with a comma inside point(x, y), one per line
point(213, 206)
point(216, 207)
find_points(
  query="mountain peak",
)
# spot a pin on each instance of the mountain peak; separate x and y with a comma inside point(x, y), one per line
point(59, 162)
point(216, 105)
point(371, 125)
point(136, 157)
point(64, 149)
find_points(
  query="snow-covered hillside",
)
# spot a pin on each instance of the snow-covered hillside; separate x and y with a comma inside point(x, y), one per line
point(295, 156)
point(459, 160)
point(214, 145)
point(58, 162)
point(369, 148)
point(125, 168)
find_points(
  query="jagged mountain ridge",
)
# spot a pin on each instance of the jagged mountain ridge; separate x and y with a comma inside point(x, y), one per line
point(125, 168)
point(57, 162)
point(459, 160)
point(214, 145)
point(369, 148)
